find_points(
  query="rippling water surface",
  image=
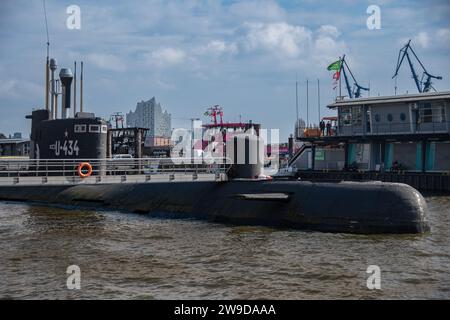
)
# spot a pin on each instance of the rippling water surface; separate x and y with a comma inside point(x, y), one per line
point(131, 256)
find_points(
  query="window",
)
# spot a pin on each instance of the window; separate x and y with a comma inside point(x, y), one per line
point(104, 128)
point(377, 118)
point(439, 113)
point(357, 116)
point(79, 128)
point(94, 128)
point(432, 112)
point(425, 113)
point(345, 116)
point(402, 116)
point(390, 117)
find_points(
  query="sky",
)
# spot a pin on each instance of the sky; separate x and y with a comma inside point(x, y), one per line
point(242, 55)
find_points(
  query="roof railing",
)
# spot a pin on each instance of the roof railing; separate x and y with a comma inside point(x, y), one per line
point(374, 129)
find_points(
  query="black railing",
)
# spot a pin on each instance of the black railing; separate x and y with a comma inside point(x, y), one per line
point(389, 128)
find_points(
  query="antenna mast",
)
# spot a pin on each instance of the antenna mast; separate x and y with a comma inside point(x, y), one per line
point(296, 103)
point(47, 64)
point(307, 103)
point(75, 90)
point(81, 88)
point(318, 98)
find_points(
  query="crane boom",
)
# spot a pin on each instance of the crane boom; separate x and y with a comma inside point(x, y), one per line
point(422, 86)
point(351, 93)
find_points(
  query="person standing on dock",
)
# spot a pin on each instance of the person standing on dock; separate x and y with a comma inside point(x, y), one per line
point(329, 128)
point(322, 127)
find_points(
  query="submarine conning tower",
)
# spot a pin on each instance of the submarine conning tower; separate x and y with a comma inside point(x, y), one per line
point(83, 136)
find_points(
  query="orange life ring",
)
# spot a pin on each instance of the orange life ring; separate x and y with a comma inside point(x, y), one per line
point(80, 168)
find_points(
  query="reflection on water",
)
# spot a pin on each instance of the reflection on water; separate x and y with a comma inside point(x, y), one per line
point(124, 255)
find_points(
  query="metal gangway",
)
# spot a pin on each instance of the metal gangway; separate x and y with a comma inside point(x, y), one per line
point(111, 170)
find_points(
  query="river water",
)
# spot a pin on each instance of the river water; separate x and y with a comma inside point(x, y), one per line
point(132, 256)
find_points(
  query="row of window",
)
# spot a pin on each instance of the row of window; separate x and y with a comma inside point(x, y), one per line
point(426, 113)
point(93, 128)
point(390, 117)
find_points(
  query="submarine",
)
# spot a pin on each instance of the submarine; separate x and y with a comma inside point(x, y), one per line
point(240, 196)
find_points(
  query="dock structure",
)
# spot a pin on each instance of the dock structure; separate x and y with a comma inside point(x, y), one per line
point(402, 138)
point(35, 172)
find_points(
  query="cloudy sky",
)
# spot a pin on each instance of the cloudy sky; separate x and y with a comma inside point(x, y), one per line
point(242, 55)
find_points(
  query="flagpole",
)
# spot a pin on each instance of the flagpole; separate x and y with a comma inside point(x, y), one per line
point(307, 104)
point(340, 69)
point(318, 98)
point(297, 125)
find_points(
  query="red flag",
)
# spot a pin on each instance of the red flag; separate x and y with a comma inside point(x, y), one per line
point(336, 75)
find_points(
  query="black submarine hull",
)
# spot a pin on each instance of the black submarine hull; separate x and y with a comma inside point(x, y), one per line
point(365, 208)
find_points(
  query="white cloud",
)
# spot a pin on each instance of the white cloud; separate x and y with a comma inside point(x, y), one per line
point(296, 46)
point(328, 31)
point(280, 38)
point(12, 88)
point(107, 61)
point(165, 57)
point(422, 39)
point(219, 47)
point(443, 35)
point(327, 47)
point(437, 39)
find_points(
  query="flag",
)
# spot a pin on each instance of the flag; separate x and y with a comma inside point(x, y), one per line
point(335, 66)
point(337, 75)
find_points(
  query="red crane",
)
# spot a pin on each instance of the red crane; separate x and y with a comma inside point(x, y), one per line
point(213, 112)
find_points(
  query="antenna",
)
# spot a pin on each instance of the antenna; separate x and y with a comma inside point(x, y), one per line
point(81, 88)
point(47, 65)
point(75, 89)
point(395, 86)
point(318, 98)
point(54, 89)
point(307, 103)
point(340, 76)
point(296, 100)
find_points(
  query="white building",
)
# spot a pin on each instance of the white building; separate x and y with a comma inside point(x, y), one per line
point(149, 114)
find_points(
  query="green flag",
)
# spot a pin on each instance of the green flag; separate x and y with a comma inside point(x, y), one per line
point(335, 66)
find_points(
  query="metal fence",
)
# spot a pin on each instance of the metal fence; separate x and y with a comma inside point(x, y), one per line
point(111, 167)
point(391, 128)
point(385, 128)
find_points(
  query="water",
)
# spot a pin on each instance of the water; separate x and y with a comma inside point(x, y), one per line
point(131, 256)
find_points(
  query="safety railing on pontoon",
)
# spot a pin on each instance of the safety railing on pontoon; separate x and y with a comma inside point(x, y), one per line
point(112, 167)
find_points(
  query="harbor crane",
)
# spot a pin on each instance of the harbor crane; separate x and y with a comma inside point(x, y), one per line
point(424, 84)
point(213, 112)
point(354, 92)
